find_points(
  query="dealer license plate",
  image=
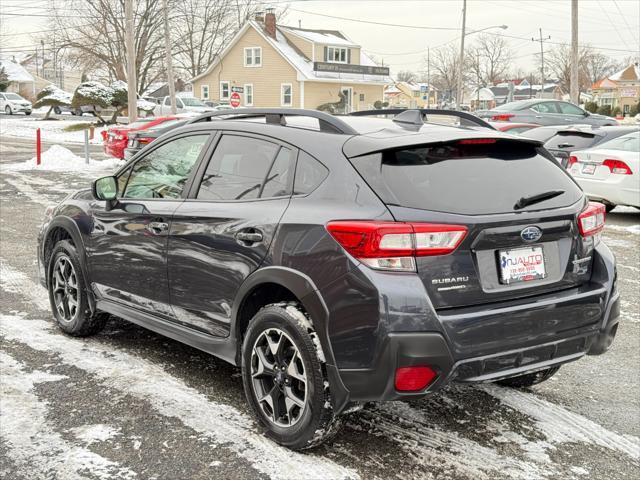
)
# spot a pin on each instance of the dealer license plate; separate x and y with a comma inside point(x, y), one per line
point(588, 169)
point(521, 265)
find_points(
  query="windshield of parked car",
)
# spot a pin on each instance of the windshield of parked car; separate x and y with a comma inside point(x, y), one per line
point(166, 124)
point(13, 96)
point(192, 102)
point(628, 143)
point(573, 140)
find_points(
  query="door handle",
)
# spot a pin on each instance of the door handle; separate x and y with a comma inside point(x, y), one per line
point(157, 228)
point(538, 116)
point(253, 236)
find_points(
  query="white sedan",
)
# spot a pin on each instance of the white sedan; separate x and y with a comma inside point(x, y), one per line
point(610, 173)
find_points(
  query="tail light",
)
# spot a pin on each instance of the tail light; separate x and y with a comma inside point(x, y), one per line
point(591, 220)
point(617, 167)
point(572, 160)
point(394, 245)
point(477, 141)
point(414, 379)
point(504, 117)
point(104, 134)
point(144, 140)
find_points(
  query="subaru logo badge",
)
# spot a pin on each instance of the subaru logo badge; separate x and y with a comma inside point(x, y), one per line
point(531, 234)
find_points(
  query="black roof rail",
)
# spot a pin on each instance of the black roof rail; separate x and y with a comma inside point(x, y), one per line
point(403, 115)
point(277, 116)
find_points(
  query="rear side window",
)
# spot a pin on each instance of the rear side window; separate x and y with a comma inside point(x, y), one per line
point(546, 107)
point(309, 174)
point(573, 140)
point(466, 179)
point(245, 168)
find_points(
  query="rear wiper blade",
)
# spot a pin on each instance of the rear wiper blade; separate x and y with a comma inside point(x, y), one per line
point(541, 197)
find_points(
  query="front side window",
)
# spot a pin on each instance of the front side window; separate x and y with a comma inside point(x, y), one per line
point(163, 172)
point(243, 168)
point(337, 55)
point(570, 109)
point(253, 57)
point(286, 95)
point(224, 90)
point(248, 94)
point(204, 92)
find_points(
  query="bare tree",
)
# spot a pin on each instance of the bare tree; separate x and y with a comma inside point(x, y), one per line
point(558, 64)
point(406, 76)
point(444, 68)
point(95, 32)
point(489, 59)
point(598, 66)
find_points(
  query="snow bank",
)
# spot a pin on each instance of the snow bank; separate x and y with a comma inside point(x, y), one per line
point(50, 130)
point(61, 159)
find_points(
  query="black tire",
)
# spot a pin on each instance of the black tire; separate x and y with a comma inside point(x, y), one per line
point(316, 422)
point(57, 110)
point(609, 206)
point(8, 110)
point(529, 379)
point(77, 320)
point(27, 113)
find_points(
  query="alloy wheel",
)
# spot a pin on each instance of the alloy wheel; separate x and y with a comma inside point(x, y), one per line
point(64, 284)
point(278, 377)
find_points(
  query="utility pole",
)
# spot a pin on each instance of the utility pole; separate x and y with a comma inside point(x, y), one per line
point(42, 44)
point(461, 66)
point(428, 77)
point(169, 58)
point(132, 98)
point(574, 86)
point(478, 82)
point(541, 61)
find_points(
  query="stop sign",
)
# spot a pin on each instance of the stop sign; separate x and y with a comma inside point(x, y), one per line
point(234, 100)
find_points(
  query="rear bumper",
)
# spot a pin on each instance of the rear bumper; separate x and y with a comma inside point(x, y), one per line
point(622, 192)
point(499, 358)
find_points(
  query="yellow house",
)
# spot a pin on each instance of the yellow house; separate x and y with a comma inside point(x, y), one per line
point(622, 89)
point(411, 95)
point(270, 65)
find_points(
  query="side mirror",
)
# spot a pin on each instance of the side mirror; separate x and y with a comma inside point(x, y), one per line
point(586, 113)
point(105, 188)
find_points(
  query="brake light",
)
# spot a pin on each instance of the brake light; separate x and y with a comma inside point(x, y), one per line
point(394, 245)
point(617, 167)
point(504, 117)
point(414, 379)
point(477, 141)
point(144, 140)
point(572, 160)
point(591, 220)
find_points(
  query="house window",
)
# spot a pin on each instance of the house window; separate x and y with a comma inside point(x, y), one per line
point(224, 90)
point(286, 94)
point(337, 55)
point(204, 92)
point(362, 97)
point(248, 95)
point(253, 57)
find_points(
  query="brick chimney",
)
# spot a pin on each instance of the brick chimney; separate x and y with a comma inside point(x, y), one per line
point(270, 23)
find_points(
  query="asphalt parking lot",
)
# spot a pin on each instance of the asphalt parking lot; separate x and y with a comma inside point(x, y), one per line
point(129, 404)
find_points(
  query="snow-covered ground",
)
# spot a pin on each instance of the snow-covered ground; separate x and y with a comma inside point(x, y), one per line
point(50, 130)
point(60, 159)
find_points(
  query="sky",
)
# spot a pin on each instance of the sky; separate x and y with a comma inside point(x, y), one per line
point(610, 25)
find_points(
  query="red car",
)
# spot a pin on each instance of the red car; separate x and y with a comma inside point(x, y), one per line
point(115, 138)
point(513, 128)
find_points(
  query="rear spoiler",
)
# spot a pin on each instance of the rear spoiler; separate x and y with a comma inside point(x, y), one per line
point(415, 116)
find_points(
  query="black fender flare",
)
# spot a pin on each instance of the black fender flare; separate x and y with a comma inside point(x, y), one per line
point(72, 228)
point(307, 293)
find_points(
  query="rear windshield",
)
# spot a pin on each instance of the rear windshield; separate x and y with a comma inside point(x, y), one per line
point(466, 179)
point(628, 143)
point(573, 140)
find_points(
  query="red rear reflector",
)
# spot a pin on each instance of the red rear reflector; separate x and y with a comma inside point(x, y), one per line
point(503, 117)
point(414, 379)
point(572, 159)
point(617, 167)
point(144, 140)
point(477, 141)
point(591, 220)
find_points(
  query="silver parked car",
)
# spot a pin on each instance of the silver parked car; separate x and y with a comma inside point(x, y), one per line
point(545, 112)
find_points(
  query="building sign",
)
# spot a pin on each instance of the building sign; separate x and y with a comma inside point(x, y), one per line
point(347, 68)
point(237, 89)
point(628, 93)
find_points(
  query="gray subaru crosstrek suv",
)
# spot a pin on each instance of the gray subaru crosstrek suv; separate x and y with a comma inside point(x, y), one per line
point(340, 260)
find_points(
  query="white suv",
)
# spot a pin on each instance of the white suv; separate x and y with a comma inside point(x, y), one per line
point(12, 103)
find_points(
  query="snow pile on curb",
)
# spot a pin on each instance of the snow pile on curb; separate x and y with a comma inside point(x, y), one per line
point(61, 159)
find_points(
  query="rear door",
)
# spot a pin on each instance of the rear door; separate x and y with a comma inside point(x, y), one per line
point(478, 186)
point(222, 233)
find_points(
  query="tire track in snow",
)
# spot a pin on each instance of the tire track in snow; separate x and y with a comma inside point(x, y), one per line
point(171, 397)
point(562, 426)
point(32, 442)
point(14, 281)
